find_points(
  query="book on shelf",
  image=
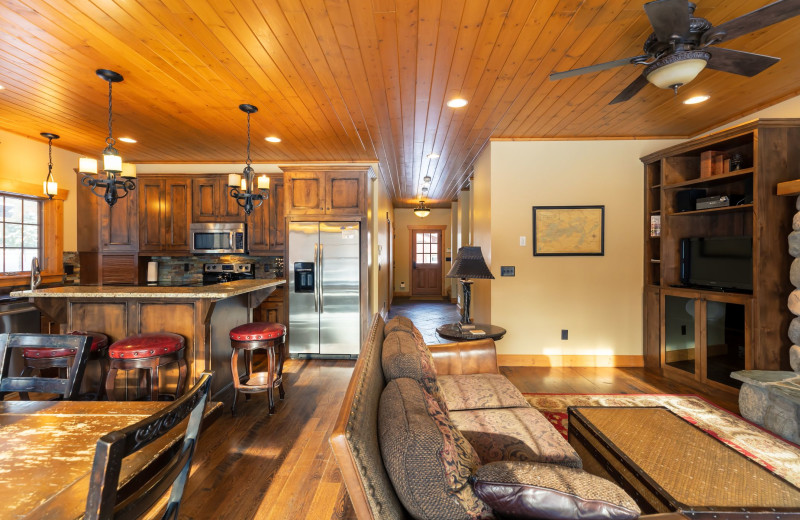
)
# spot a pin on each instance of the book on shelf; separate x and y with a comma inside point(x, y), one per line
point(655, 225)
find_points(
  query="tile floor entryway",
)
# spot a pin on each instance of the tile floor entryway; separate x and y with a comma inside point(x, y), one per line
point(426, 315)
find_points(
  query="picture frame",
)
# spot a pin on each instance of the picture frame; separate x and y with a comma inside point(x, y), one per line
point(569, 230)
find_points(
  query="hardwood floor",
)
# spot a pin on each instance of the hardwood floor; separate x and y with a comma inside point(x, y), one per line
point(254, 466)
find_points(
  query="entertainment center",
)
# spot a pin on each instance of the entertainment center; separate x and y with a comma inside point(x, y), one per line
point(716, 276)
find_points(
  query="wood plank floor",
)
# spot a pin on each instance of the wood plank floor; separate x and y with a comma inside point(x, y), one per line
point(254, 466)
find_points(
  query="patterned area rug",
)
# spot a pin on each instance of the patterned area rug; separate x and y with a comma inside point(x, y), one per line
point(775, 454)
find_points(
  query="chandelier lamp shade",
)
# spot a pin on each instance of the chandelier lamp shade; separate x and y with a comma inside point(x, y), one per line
point(422, 210)
point(243, 187)
point(469, 263)
point(676, 70)
point(109, 188)
point(50, 185)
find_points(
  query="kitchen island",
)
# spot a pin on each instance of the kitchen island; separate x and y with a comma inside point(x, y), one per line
point(202, 315)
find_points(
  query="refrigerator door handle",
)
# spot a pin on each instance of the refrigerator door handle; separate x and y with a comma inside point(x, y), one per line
point(321, 269)
point(316, 277)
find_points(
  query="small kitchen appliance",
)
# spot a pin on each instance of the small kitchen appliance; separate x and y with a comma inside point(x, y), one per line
point(218, 238)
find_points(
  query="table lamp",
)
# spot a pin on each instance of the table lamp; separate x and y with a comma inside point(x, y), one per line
point(469, 263)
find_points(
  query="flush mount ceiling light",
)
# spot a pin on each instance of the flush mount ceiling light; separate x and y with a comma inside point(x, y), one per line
point(127, 139)
point(242, 187)
point(696, 99)
point(457, 103)
point(426, 179)
point(432, 155)
point(50, 185)
point(675, 70)
point(422, 211)
point(273, 139)
point(113, 188)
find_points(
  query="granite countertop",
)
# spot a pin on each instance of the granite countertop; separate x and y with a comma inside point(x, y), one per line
point(213, 292)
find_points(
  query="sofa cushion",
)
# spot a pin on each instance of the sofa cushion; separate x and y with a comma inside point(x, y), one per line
point(405, 356)
point(479, 391)
point(521, 434)
point(428, 461)
point(526, 490)
point(401, 323)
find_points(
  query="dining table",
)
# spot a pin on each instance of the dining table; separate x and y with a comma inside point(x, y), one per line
point(47, 449)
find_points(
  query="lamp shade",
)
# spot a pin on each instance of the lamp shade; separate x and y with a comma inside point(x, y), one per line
point(87, 165)
point(469, 263)
point(422, 210)
point(676, 69)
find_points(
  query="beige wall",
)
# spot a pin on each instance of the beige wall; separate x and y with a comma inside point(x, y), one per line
point(25, 160)
point(482, 223)
point(379, 211)
point(405, 217)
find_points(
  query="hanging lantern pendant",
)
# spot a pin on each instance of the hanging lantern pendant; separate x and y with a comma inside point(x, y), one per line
point(242, 187)
point(50, 184)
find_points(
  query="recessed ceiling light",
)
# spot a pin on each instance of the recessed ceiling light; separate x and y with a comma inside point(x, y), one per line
point(457, 103)
point(432, 156)
point(696, 99)
point(127, 139)
point(2, 87)
point(273, 139)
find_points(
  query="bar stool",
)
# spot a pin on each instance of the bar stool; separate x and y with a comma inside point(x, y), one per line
point(44, 358)
point(249, 337)
point(148, 353)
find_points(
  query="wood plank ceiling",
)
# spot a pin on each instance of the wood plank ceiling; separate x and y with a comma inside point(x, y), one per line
point(356, 80)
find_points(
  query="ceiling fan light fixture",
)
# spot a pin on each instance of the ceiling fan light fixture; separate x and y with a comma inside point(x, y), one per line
point(696, 99)
point(422, 211)
point(676, 69)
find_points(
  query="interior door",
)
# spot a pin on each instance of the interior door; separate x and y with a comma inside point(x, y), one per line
point(426, 262)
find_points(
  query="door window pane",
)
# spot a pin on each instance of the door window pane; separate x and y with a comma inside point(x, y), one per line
point(20, 232)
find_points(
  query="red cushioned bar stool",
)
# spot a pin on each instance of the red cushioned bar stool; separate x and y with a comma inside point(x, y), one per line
point(249, 337)
point(148, 353)
point(44, 358)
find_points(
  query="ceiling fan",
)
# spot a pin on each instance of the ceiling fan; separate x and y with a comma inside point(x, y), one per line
point(681, 46)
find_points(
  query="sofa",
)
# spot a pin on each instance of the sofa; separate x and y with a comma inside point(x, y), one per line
point(437, 432)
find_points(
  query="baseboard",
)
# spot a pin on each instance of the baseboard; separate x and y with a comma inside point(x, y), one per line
point(541, 360)
point(454, 300)
point(402, 294)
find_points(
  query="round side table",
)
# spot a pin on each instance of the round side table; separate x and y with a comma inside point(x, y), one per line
point(454, 332)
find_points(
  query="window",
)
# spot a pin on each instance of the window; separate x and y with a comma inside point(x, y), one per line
point(21, 220)
point(427, 249)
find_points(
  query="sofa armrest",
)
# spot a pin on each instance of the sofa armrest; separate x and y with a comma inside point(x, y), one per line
point(465, 357)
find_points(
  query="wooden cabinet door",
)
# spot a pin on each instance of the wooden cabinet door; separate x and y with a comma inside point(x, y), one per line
point(205, 199)
point(176, 203)
point(151, 214)
point(265, 226)
point(345, 193)
point(119, 224)
point(305, 193)
point(277, 220)
point(230, 211)
point(258, 228)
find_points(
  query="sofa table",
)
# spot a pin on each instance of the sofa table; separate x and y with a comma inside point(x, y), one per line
point(667, 464)
point(452, 331)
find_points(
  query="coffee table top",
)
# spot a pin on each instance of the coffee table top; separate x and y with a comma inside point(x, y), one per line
point(684, 464)
point(452, 331)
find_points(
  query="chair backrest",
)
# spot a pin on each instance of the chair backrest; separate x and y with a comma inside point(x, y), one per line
point(104, 502)
point(68, 388)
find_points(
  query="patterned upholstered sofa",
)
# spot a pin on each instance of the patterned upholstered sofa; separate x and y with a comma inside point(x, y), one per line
point(451, 423)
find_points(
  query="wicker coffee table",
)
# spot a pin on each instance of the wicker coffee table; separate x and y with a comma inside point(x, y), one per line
point(667, 464)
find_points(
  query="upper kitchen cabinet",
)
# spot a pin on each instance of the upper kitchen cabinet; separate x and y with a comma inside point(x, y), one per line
point(266, 225)
point(211, 201)
point(328, 191)
point(164, 214)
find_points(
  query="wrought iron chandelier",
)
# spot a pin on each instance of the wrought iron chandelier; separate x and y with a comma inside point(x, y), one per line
point(113, 188)
point(50, 185)
point(242, 187)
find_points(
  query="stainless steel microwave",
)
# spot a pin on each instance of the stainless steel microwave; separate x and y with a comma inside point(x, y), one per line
point(224, 238)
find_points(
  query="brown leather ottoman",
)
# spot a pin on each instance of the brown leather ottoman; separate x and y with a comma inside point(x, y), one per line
point(667, 464)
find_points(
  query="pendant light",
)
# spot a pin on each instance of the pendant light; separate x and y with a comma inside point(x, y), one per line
point(242, 187)
point(50, 185)
point(113, 188)
point(422, 211)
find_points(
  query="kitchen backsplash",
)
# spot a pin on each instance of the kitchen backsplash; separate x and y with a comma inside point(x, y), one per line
point(189, 269)
point(72, 263)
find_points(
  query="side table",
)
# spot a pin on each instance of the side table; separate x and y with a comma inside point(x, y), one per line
point(454, 332)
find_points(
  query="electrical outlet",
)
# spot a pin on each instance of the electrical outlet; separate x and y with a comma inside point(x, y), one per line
point(564, 334)
point(402, 285)
point(507, 270)
point(522, 240)
point(683, 330)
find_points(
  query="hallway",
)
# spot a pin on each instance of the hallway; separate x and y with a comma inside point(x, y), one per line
point(426, 315)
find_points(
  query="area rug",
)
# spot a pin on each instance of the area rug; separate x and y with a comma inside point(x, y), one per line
point(777, 455)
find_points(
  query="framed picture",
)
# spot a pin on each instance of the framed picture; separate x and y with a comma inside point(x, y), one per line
point(568, 230)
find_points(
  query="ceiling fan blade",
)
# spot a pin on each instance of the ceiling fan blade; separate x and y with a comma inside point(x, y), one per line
point(631, 90)
point(594, 68)
point(753, 21)
point(739, 62)
point(668, 17)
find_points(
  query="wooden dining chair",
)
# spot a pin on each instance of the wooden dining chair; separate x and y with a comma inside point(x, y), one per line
point(104, 501)
point(68, 387)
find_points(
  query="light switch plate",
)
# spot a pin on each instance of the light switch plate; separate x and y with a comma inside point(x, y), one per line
point(522, 240)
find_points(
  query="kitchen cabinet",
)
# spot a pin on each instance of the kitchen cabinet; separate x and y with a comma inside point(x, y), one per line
point(164, 214)
point(266, 226)
point(211, 201)
point(329, 191)
point(273, 309)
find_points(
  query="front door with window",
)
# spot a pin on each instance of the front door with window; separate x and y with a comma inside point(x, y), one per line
point(426, 262)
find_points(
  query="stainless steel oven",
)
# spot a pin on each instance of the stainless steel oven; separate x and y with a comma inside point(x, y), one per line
point(222, 237)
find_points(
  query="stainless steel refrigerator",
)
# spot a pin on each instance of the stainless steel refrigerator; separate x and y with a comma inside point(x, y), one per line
point(324, 288)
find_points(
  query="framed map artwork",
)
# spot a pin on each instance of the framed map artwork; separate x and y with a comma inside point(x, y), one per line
point(568, 230)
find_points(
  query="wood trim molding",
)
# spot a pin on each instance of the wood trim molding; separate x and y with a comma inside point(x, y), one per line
point(542, 360)
point(414, 227)
point(29, 189)
point(402, 294)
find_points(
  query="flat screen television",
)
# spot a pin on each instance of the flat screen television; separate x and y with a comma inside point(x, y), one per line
point(722, 263)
